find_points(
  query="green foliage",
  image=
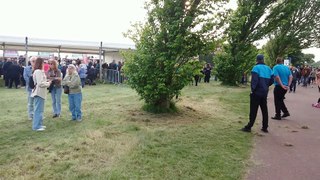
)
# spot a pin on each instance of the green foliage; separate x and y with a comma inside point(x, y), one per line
point(296, 32)
point(230, 69)
point(298, 58)
point(246, 25)
point(316, 64)
point(176, 31)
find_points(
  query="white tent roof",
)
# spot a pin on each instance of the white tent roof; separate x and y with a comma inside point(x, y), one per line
point(51, 45)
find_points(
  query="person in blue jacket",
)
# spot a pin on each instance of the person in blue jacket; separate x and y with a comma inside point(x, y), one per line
point(27, 73)
point(261, 79)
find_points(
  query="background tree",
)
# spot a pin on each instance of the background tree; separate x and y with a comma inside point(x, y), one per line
point(284, 21)
point(175, 32)
point(298, 58)
point(251, 21)
point(296, 32)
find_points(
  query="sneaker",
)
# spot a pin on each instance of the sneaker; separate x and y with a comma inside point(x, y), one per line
point(264, 130)
point(40, 129)
point(79, 120)
point(285, 115)
point(56, 116)
point(246, 129)
point(30, 118)
point(276, 118)
point(43, 127)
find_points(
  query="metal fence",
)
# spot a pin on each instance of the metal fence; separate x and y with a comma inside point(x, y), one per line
point(113, 76)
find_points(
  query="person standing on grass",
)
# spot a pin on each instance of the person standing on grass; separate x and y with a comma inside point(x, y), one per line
point(82, 71)
point(39, 94)
point(5, 69)
point(207, 73)
point(14, 75)
point(54, 74)
point(72, 80)
point(262, 78)
point(283, 79)
point(27, 73)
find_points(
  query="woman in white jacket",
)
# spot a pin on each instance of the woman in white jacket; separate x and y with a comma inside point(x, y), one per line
point(39, 94)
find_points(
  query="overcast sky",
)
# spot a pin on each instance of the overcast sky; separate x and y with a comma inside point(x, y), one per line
point(83, 20)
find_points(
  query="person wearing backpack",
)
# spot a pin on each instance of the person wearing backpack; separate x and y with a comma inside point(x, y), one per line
point(27, 74)
point(39, 94)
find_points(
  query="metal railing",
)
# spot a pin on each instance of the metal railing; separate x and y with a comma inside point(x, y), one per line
point(113, 76)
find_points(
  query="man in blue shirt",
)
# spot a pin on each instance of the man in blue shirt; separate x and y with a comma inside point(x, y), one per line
point(283, 79)
point(261, 79)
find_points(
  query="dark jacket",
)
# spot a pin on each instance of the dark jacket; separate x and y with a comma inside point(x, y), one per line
point(262, 78)
point(14, 71)
point(5, 67)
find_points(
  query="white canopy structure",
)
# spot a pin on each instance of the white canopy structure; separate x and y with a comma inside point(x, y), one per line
point(62, 46)
point(65, 46)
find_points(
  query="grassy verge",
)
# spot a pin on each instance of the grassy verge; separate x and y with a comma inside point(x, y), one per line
point(117, 140)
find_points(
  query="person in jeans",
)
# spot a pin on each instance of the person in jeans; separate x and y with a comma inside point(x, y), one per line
point(54, 74)
point(72, 80)
point(283, 79)
point(39, 94)
point(82, 71)
point(27, 73)
point(261, 79)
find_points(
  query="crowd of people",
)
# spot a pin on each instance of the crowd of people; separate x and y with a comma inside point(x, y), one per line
point(284, 80)
point(70, 76)
point(306, 76)
point(13, 69)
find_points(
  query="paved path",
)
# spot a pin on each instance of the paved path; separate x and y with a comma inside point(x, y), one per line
point(290, 151)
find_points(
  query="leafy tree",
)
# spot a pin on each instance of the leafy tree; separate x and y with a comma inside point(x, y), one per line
point(175, 32)
point(298, 58)
point(251, 21)
point(297, 31)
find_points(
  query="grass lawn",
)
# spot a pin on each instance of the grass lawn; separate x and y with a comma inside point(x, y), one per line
point(117, 140)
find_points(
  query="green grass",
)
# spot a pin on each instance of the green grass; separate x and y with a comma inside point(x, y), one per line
point(118, 140)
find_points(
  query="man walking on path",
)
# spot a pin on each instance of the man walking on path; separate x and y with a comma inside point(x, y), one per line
point(261, 80)
point(283, 79)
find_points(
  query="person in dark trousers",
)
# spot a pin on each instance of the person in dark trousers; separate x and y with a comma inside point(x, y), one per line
point(23, 82)
point(14, 75)
point(283, 79)
point(295, 74)
point(91, 75)
point(262, 78)
point(207, 73)
point(5, 69)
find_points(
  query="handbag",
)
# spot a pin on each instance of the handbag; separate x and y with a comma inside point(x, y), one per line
point(66, 89)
